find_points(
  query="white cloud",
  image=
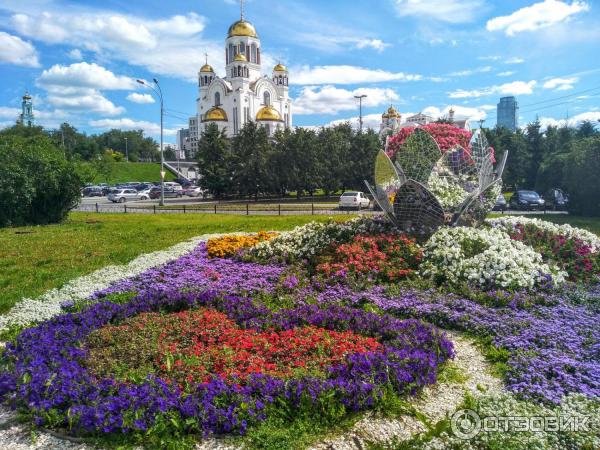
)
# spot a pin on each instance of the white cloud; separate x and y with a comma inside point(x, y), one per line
point(84, 75)
point(87, 101)
point(375, 44)
point(468, 72)
point(344, 74)
point(514, 60)
point(592, 116)
point(76, 54)
point(561, 84)
point(140, 98)
point(460, 112)
point(489, 58)
point(170, 46)
point(131, 124)
point(539, 15)
point(331, 100)
point(508, 73)
point(14, 50)
point(513, 88)
point(9, 113)
point(488, 107)
point(451, 11)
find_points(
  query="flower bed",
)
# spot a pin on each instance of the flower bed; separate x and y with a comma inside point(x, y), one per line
point(229, 245)
point(387, 257)
point(196, 271)
point(487, 259)
point(574, 250)
point(550, 350)
point(57, 389)
point(197, 345)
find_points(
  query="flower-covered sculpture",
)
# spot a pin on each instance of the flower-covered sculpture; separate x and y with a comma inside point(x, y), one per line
point(426, 188)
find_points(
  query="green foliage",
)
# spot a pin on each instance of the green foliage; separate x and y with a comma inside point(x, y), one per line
point(214, 159)
point(581, 177)
point(37, 184)
point(250, 161)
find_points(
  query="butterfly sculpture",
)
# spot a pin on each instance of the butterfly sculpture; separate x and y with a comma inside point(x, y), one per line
point(425, 188)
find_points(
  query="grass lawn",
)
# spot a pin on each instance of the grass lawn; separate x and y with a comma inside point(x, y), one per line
point(589, 223)
point(35, 259)
point(134, 171)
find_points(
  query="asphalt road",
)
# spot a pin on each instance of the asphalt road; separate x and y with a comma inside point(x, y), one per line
point(189, 205)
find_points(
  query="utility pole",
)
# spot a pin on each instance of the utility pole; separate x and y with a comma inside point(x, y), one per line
point(126, 151)
point(360, 120)
point(158, 91)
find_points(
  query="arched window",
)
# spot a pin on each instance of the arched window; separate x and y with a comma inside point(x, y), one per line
point(253, 53)
point(267, 98)
point(217, 98)
point(232, 72)
point(268, 128)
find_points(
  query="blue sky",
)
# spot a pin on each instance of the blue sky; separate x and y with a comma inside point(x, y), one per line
point(80, 59)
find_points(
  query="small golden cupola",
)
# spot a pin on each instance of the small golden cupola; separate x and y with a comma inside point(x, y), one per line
point(268, 114)
point(215, 114)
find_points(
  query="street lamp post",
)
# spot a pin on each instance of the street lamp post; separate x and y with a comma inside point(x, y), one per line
point(126, 151)
point(157, 90)
point(360, 121)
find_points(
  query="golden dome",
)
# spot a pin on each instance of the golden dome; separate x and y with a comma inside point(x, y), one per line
point(206, 68)
point(268, 113)
point(242, 28)
point(391, 113)
point(215, 113)
point(240, 57)
point(279, 68)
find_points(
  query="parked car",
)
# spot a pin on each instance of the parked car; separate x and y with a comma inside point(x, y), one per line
point(526, 200)
point(169, 192)
point(92, 191)
point(354, 200)
point(556, 199)
point(173, 185)
point(194, 191)
point(124, 195)
point(501, 204)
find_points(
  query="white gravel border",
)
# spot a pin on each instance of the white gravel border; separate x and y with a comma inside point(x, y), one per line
point(47, 305)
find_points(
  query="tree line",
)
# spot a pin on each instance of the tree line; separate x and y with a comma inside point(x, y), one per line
point(299, 160)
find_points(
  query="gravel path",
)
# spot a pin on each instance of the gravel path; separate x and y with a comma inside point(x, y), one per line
point(434, 401)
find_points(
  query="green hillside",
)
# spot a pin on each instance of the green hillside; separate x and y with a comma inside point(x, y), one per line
point(133, 171)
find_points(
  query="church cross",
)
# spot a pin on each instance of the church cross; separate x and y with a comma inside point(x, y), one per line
point(241, 9)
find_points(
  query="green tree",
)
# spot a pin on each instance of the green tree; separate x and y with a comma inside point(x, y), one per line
point(251, 153)
point(215, 162)
point(581, 177)
point(37, 184)
point(334, 144)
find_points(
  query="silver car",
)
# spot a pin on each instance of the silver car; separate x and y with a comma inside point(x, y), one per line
point(123, 195)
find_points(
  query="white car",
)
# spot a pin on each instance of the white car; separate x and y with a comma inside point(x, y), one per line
point(124, 195)
point(354, 200)
point(194, 191)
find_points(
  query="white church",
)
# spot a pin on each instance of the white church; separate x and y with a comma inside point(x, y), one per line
point(244, 94)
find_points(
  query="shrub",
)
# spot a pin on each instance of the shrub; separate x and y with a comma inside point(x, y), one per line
point(37, 184)
point(387, 257)
point(486, 259)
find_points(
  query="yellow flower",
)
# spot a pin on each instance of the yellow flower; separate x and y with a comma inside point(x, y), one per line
point(229, 245)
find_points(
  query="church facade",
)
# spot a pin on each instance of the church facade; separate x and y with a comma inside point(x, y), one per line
point(244, 93)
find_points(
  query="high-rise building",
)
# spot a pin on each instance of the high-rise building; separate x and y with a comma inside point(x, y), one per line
point(26, 117)
point(507, 113)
